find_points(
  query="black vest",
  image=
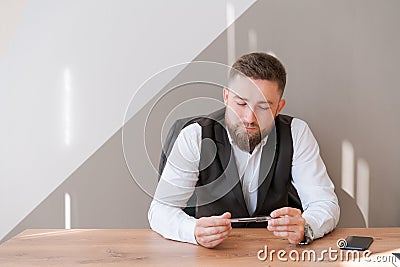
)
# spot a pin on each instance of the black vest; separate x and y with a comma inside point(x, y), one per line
point(219, 189)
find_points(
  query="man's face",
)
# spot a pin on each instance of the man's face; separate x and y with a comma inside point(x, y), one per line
point(251, 107)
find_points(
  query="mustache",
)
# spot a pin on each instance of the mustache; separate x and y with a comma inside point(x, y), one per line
point(250, 125)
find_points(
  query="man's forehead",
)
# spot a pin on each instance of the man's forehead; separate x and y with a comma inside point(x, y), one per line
point(242, 82)
point(245, 88)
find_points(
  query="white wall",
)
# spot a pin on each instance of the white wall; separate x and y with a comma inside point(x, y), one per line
point(67, 72)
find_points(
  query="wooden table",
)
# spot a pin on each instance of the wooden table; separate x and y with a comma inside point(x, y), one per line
point(143, 247)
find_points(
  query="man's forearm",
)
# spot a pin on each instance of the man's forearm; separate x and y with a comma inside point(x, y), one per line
point(172, 222)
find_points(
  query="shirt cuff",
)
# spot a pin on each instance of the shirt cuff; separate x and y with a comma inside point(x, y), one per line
point(187, 230)
point(314, 226)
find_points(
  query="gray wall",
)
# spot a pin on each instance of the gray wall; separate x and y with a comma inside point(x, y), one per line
point(342, 59)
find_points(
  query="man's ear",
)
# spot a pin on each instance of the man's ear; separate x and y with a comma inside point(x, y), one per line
point(225, 94)
point(281, 105)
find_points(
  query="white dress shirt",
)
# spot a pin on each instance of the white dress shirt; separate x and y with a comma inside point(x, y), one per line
point(180, 175)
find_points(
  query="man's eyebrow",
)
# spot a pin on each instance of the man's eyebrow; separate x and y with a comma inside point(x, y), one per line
point(259, 102)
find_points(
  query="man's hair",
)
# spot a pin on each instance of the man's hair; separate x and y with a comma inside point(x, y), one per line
point(261, 66)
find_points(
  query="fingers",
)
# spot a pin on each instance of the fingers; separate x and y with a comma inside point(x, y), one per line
point(211, 240)
point(283, 228)
point(287, 220)
point(293, 232)
point(285, 211)
point(226, 215)
point(287, 223)
point(211, 231)
point(222, 220)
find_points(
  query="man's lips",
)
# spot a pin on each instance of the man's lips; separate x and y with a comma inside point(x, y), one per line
point(250, 128)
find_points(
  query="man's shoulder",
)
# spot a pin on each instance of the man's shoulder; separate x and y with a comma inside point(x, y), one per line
point(216, 117)
point(294, 122)
point(300, 131)
point(298, 127)
point(191, 129)
point(284, 119)
point(211, 119)
point(298, 124)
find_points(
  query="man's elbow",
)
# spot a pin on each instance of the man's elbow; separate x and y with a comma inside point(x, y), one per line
point(336, 214)
point(150, 216)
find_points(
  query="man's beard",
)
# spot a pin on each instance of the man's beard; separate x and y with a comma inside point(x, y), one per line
point(245, 140)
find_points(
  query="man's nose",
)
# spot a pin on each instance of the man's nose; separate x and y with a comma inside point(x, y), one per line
point(249, 115)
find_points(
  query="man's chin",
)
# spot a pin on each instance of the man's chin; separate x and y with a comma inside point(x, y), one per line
point(251, 132)
point(246, 141)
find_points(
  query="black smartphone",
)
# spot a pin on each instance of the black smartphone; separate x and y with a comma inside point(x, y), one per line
point(357, 242)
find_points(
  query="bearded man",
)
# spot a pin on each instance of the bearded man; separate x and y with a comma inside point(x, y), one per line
point(244, 161)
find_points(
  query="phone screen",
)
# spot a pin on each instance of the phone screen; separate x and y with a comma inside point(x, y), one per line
point(358, 242)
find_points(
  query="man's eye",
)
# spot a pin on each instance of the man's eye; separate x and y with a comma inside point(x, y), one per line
point(241, 103)
point(264, 107)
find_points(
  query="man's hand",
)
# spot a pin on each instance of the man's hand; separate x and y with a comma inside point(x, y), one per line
point(211, 231)
point(287, 222)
